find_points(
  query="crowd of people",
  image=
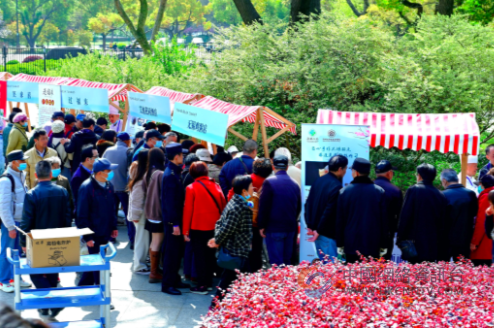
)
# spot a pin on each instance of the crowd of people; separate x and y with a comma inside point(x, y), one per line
point(184, 206)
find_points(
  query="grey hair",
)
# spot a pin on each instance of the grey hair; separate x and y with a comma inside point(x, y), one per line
point(170, 134)
point(285, 152)
point(53, 160)
point(249, 147)
point(43, 169)
point(449, 175)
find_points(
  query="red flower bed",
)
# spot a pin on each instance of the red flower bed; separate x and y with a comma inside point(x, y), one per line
point(32, 58)
point(368, 294)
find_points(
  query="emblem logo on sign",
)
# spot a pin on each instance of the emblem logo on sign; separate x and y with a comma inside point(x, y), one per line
point(312, 133)
point(331, 133)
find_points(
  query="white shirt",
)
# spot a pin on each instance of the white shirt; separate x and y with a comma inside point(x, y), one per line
point(117, 126)
point(470, 184)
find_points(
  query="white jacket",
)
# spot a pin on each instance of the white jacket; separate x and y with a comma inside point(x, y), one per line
point(137, 200)
point(8, 200)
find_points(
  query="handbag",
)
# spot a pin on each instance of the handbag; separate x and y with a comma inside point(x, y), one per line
point(408, 250)
point(228, 261)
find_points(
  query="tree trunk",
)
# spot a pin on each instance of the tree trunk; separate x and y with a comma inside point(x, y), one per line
point(159, 18)
point(103, 35)
point(301, 10)
point(445, 7)
point(247, 11)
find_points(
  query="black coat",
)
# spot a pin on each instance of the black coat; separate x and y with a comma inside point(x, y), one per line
point(394, 202)
point(78, 141)
point(463, 207)
point(361, 223)
point(172, 195)
point(320, 207)
point(423, 219)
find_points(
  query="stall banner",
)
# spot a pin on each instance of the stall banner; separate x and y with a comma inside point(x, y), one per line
point(200, 123)
point(150, 107)
point(49, 102)
point(3, 98)
point(86, 99)
point(134, 125)
point(320, 142)
point(22, 92)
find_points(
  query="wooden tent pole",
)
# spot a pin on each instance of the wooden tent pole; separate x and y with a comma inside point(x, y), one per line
point(11, 107)
point(236, 134)
point(263, 132)
point(26, 108)
point(72, 112)
point(464, 163)
point(256, 126)
point(279, 133)
point(126, 112)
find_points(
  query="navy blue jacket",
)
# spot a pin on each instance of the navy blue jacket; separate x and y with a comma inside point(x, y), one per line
point(79, 176)
point(96, 210)
point(463, 207)
point(46, 206)
point(485, 170)
point(79, 140)
point(321, 205)
point(394, 202)
point(232, 169)
point(172, 195)
point(423, 219)
point(280, 204)
point(361, 224)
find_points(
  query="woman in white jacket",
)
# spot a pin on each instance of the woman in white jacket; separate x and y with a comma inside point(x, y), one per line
point(136, 212)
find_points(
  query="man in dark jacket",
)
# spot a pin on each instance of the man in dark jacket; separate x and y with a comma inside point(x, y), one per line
point(96, 211)
point(361, 223)
point(394, 201)
point(101, 126)
point(80, 139)
point(172, 205)
point(88, 155)
point(238, 166)
point(320, 207)
point(279, 207)
point(489, 154)
point(463, 207)
point(46, 206)
point(424, 217)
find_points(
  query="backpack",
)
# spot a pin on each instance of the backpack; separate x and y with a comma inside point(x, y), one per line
point(255, 200)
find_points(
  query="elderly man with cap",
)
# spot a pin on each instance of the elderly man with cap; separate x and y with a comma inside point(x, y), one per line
point(238, 166)
point(96, 211)
point(153, 139)
point(394, 200)
point(361, 222)
point(116, 124)
point(472, 166)
point(69, 126)
point(424, 218)
point(54, 142)
point(80, 139)
point(12, 193)
point(89, 154)
point(293, 172)
point(279, 208)
point(101, 126)
point(233, 151)
point(18, 139)
point(39, 152)
point(56, 116)
point(118, 155)
point(172, 205)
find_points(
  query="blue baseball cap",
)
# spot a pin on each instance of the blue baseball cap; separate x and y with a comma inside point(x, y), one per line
point(80, 117)
point(102, 164)
point(175, 148)
point(123, 136)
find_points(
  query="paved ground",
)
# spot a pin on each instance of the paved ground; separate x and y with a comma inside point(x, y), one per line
point(136, 301)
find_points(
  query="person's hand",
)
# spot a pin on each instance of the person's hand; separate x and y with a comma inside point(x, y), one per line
point(212, 243)
point(473, 247)
point(261, 232)
point(309, 232)
point(64, 141)
point(114, 234)
point(489, 211)
point(383, 251)
point(314, 235)
point(13, 234)
point(90, 243)
point(135, 221)
point(176, 231)
point(24, 249)
point(341, 251)
point(186, 238)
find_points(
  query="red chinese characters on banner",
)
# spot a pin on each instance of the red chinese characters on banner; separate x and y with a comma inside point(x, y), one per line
point(3, 97)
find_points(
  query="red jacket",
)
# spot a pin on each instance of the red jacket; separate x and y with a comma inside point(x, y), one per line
point(200, 210)
point(480, 239)
point(257, 182)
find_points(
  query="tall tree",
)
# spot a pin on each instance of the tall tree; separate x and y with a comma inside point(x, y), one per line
point(445, 7)
point(181, 14)
point(248, 12)
point(104, 24)
point(302, 9)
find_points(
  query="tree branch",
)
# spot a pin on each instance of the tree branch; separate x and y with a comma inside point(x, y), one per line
point(413, 5)
point(143, 15)
point(125, 17)
point(159, 19)
point(353, 8)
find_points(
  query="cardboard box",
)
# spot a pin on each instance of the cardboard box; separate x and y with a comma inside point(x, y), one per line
point(54, 247)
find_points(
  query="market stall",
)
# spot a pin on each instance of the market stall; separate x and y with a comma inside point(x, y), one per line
point(4, 76)
point(175, 96)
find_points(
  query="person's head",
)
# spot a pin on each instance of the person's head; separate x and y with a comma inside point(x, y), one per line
point(150, 126)
point(69, 120)
point(191, 158)
point(17, 160)
point(58, 126)
point(175, 153)
point(103, 169)
point(142, 166)
point(426, 173)
point(186, 144)
point(198, 169)
point(102, 123)
point(472, 165)
point(233, 151)
point(10, 319)
point(138, 137)
point(40, 138)
point(489, 153)
point(79, 121)
point(163, 128)
point(43, 171)
point(262, 167)
point(487, 181)
point(250, 148)
point(58, 116)
point(338, 165)
point(491, 197)
point(88, 155)
point(361, 167)
point(124, 137)
point(242, 186)
point(280, 163)
point(16, 110)
point(221, 159)
point(194, 148)
point(11, 117)
point(114, 115)
point(271, 154)
point(156, 161)
point(154, 139)
point(109, 135)
point(56, 164)
point(87, 123)
point(204, 155)
point(21, 119)
point(385, 169)
point(448, 177)
point(285, 152)
point(170, 137)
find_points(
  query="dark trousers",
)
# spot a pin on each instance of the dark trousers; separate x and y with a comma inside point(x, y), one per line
point(352, 258)
point(390, 245)
point(121, 197)
point(204, 256)
point(280, 247)
point(254, 262)
point(92, 277)
point(173, 252)
point(45, 280)
point(227, 277)
point(482, 262)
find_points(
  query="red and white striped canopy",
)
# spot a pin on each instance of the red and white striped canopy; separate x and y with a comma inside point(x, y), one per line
point(4, 76)
point(115, 91)
point(238, 112)
point(174, 96)
point(43, 79)
point(458, 133)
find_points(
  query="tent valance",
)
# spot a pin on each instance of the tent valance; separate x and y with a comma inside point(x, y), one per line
point(458, 133)
point(115, 91)
point(43, 79)
point(4, 76)
point(175, 96)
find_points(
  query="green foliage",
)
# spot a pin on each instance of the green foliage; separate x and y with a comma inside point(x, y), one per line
point(481, 11)
point(10, 62)
point(33, 68)
point(175, 59)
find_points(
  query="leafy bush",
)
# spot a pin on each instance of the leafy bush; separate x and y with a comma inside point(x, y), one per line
point(175, 59)
point(32, 58)
point(121, 46)
point(11, 62)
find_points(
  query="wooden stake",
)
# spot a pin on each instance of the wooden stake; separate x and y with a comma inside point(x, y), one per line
point(279, 133)
point(11, 107)
point(236, 134)
point(263, 132)
point(26, 108)
point(256, 125)
point(464, 163)
point(126, 113)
